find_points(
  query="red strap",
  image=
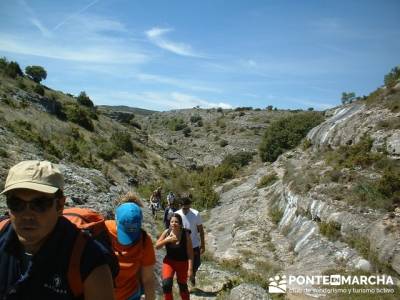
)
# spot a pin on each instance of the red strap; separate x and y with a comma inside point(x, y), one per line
point(4, 223)
point(74, 269)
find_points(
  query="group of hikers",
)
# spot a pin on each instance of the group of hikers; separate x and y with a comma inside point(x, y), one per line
point(46, 254)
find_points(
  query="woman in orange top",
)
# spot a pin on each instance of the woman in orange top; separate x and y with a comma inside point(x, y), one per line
point(135, 253)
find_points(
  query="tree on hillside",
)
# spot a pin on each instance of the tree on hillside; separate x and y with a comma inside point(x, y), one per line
point(348, 97)
point(36, 73)
point(84, 99)
point(3, 63)
point(13, 70)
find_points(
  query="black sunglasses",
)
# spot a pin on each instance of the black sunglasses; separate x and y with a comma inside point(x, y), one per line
point(39, 205)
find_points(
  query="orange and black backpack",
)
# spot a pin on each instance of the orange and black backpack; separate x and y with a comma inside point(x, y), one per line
point(91, 225)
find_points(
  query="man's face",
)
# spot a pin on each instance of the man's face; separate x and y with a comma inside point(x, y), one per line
point(185, 208)
point(33, 215)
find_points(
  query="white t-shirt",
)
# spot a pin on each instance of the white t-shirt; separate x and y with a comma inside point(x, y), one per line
point(190, 221)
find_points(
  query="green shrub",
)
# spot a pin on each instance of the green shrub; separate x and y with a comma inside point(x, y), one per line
point(176, 124)
point(122, 140)
point(105, 150)
point(3, 63)
point(79, 115)
point(8, 101)
point(306, 144)
point(21, 84)
point(58, 109)
point(84, 100)
point(330, 229)
point(13, 70)
point(239, 159)
point(38, 89)
point(243, 108)
point(195, 118)
point(267, 180)
point(275, 214)
point(286, 133)
point(3, 153)
point(187, 131)
point(221, 122)
point(392, 77)
point(393, 103)
point(355, 155)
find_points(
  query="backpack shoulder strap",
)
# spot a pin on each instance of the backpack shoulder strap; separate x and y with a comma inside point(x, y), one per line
point(74, 268)
point(4, 221)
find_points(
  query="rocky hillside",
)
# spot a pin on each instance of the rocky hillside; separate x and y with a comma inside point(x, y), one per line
point(197, 137)
point(330, 206)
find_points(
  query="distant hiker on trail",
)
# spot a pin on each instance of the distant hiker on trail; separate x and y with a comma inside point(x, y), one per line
point(192, 221)
point(155, 201)
point(170, 198)
point(134, 249)
point(179, 258)
point(169, 211)
point(36, 243)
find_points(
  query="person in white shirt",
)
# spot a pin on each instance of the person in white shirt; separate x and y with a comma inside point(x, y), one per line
point(192, 221)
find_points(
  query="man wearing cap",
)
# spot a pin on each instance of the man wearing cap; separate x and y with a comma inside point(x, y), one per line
point(36, 242)
point(192, 221)
point(135, 252)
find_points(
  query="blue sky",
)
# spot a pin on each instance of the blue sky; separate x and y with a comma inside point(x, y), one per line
point(165, 55)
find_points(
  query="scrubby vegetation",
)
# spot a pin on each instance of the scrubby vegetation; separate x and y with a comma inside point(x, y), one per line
point(176, 124)
point(286, 133)
point(392, 77)
point(84, 100)
point(267, 180)
point(330, 229)
point(382, 192)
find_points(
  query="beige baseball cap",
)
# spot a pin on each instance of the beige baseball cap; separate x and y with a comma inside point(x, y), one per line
point(42, 176)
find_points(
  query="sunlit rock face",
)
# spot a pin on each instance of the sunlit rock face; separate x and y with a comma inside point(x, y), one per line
point(350, 123)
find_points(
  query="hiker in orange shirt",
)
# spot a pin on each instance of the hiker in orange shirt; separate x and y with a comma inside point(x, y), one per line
point(135, 252)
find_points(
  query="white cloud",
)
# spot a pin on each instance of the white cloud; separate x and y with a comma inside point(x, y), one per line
point(94, 53)
point(41, 27)
point(157, 36)
point(71, 16)
point(184, 84)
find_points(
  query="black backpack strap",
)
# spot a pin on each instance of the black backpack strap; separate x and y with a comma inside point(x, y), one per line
point(144, 234)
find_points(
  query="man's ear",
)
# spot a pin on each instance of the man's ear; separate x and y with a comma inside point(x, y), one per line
point(60, 205)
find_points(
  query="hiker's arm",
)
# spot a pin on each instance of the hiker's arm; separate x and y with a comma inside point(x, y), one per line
point(99, 284)
point(201, 231)
point(162, 240)
point(189, 249)
point(147, 276)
